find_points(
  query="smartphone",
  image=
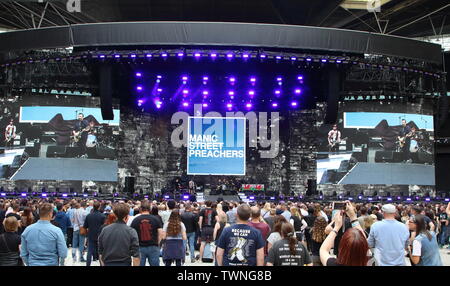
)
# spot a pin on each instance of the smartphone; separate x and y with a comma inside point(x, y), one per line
point(339, 207)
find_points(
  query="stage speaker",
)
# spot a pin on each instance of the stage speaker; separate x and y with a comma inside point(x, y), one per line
point(56, 151)
point(105, 90)
point(441, 173)
point(105, 153)
point(384, 156)
point(443, 126)
point(312, 187)
point(333, 89)
point(129, 185)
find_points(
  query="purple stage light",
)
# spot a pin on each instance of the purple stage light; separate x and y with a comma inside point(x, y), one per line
point(132, 56)
point(44, 195)
point(300, 77)
point(166, 197)
point(274, 104)
point(389, 199)
point(23, 194)
point(180, 55)
point(117, 56)
point(197, 55)
point(245, 56)
point(251, 92)
point(138, 74)
point(294, 103)
point(232, 79)
point(205, 92)
point(158, 104)
point(253, 79)
point(159, 90)
point(323, 60)
point(229, 105)
point(338, 61)
point(205, 104)
point(251, 198)
point(213, 55)
point(293, 58)
point(64, 195)
point(278, 57)
point(85, 195)
point(139, 88)
point(408, 199)
point(184, 78)
point(447, 199)
point(272, 198)
point(231, 93)
point(279, 79)
point(164, 55)
point(262, 56)
point(3, 194)
point(185, 104)
point(277, 92)
point(185, 197)
point(185, 91)
point(308, 59)
point(427, 199)
point(205, 78)
point(159, 76)
point(149, 55)
point(248, 105)
point(230, 56)
point(298, 91)
point(369, 199)
point(101, 56)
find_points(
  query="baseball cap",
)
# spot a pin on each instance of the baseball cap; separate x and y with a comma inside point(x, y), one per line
point(389, 209)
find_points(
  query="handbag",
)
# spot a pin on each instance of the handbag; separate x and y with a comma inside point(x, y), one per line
point(83, 231)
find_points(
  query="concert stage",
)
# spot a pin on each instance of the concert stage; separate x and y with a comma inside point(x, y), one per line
point(68, 169)
point(390, 174)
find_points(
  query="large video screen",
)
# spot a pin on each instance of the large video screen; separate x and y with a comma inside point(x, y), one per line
point(386, 145)
point(38, 130)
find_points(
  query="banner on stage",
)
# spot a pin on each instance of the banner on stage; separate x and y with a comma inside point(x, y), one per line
point(216, 146)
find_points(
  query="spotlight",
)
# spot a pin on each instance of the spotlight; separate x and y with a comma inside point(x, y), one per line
point(229, 56)
point(294, 103)
point(231, 93)
point(245, 56)
point(117, 56)
point(140, 102)
point(184, 78)
point(277, 92)
point(132, 56)
point(213, 55)
point(185, 91)
point(166, 197)
point(138, 74)
point(3, 194)
point(23, 194)
point(180, 55)
point(262, 56)
point(159, 90)
point(253, 79)
point(279, 79)
point(205, 92)
point(324, 60)
point(251, 92)
point(229, 105)
point(159, 76)
point(205, 104)
point(101, 56)
point(139, 88)
point(85, 195)
point(158, 104)
point(44, 195)
point(298, 91)
point(248, 105)
point(185, 104)
point(205, 78)
point(300, 77)
point(149, 56)
point(278, 57)
point(308, 59)
point(64, 195)
point(293, 58)
point(338, 61)
point(197, 55)
point(232, 80)
point(274, 104)
point(164, 55)
point(185, 197)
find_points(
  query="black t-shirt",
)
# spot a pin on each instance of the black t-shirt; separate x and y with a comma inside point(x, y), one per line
point(9, 242)
point(209, 217)
point(315, 247)
point(280, 255)
point(190, 221)
point(443, 216)
point(147, 227)
point(339, 235)
point(333, 262)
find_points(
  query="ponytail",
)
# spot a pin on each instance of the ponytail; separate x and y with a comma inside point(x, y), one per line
point(287, 231)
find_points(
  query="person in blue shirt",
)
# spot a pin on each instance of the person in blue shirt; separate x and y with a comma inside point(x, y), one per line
point(62, 221)
point(425, 248)
point(240, 244)
point(42, 243)
point(390, 238)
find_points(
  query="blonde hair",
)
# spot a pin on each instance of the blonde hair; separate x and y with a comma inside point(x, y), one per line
point(368, 221)
point(223, 217)
point(267, 207)
point(295, 212)
point(11, 224)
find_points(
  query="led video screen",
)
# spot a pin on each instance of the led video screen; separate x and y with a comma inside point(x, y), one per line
point(384, 145)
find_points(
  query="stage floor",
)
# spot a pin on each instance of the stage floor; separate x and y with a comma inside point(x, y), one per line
point(67, 169)
point(390, 174)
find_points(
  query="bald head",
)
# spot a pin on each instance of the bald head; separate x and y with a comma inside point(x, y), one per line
point(255, 212)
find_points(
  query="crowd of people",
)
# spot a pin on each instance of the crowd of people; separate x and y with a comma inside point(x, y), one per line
point(40, 232)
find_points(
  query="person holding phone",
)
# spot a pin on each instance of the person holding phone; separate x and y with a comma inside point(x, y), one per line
point(338, 208)
point(353, 247)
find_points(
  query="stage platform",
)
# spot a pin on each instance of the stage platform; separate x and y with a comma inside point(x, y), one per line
point(225, 198)
point(67, 169)
point(390, 174)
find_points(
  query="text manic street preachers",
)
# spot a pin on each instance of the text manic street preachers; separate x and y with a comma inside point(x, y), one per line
point(208, 146)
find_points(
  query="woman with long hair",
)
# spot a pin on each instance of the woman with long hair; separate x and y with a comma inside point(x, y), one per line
point(174, 234)
point(425, 249)
point(318, 236)
point(276, 234)
point(298, 222)
point(27, 218)
point(353, 247)
point(265, 211)
point(288, 251)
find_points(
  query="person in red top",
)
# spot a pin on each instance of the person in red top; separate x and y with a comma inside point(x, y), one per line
point(258, 223)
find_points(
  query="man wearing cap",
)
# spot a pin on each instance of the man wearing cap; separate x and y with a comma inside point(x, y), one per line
point(389, 237)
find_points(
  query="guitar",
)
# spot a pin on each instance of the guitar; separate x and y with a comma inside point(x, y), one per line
point(9, 138)
point(402, 140)
point(77, 135)
point(335, 142)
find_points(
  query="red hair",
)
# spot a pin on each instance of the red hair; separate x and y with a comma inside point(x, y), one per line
point(353, 248)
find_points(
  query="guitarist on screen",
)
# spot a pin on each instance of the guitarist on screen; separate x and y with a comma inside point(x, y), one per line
point(10, 134)
point(80, 133)
point(404, 139)
point(334, 138)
